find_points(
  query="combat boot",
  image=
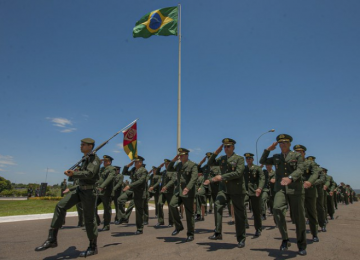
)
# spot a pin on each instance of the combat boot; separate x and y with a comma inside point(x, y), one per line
point(91, 250)
point(50, 242)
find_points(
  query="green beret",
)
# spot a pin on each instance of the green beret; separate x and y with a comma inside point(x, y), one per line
point(107, 157)
point(311, 158)
point(139, 158)
point(299, 147)
point(251, 155)
point(228, 141)
point(183, 151)
point(284, 138)
point(88, 141)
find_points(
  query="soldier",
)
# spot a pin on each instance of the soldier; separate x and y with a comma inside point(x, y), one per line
point(104, 187)
point(310, 175)
point(329, 187)
point(265, 195)
point(118, 182)
point(146, 200)
point(63, 187)
point(165, 196)
point(319, 184)
point(186, 175)
point(136, 190)
point(254, 182)
point(154, 191)
point(288, 188)
point(87, 175)
point(200, 196)
point(271, 173)
point(231, 187)
point(29, 191)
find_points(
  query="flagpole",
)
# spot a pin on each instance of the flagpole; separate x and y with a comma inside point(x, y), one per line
point(179, 82)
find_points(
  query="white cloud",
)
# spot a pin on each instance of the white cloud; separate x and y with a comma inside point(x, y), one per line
point(62, 123)
point(116, 151)
point(6, 160)
point(121, 146)
point(68, 130)
point(195, 150)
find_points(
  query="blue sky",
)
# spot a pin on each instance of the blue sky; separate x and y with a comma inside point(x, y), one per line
point(71, 69)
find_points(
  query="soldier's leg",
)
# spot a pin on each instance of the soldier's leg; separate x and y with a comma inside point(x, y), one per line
point(174, 203)
point(297, 204)
point(264, 200)
point(156, 198)
point(123, 198)
point(213, 198)
point(168, 200)
point(189, 211)
point(139, 213)
point(325, 204)
point(256, 205)
point(161, 203)
point(335, 198)
point(80, 212)
point(197, 204)
point(66, 203)
point(310, 205)
point(146, 207)
point(331, 209)
point(279, 211)
point(320, 209)
point(239, 212)
point(87, 198)
point(107, 209)
point(220, 203)
point(116, 205)
point(246, 201)
point(129, 210)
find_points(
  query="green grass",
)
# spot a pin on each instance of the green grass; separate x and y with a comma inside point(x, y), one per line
point(27, 207)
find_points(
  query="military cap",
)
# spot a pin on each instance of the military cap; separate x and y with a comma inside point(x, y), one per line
point(324, 169)
point(299, 147)
point(248, 155)
point(154, 167)
point(228, 141)
point(284, 138)
point(139, 158)
point(311, 158)
point(183, 151)
point(88, 141)
point(166, 161)
point(208, 154)
point(107, 157)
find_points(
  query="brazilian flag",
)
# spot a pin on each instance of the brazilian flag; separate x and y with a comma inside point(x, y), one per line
point(158, 22)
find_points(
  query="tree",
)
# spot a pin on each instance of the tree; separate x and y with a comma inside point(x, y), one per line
point(4, 184)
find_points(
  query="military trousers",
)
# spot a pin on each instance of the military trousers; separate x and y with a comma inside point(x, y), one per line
point(214, 192)
point(156, 200)
point(264, 201)
point(310, 206)
point(296, 203)
point(87, 200)
point(222, 199)
point(165, 197)
point(139, 207)
point(188, 202)
point(325, 204)
point(330, 205)
point(256, 206)
point(346, 198)
point(146, 208)
point(335, 198)
point(80, 212)
point(115, 199)
point(106, 201)
point(200, 199)
point(129, 210)
point(320, 206)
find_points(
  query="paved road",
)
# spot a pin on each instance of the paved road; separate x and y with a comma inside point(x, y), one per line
point(18, 240)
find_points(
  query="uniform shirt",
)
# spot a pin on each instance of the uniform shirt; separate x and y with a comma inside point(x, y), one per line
point(254, 179)
point(88, 173)
point(118, 182)
point(232, 173)
point(105, 182)
point(155, 180)
point(166, 177)
point(292, 166)
point(138, 181)
point(186, 176)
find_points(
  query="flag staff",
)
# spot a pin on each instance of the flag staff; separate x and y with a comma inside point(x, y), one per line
point(179, 82)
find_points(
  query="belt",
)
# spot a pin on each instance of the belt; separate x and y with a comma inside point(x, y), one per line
point(86, 187)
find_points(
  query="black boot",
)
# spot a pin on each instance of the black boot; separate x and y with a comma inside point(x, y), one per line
point(50, 242)
point(92, 249)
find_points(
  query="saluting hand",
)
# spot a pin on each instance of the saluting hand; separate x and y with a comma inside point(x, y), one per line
point(175, 158)
point(130, 164)
point(219, 149)
point(69, 173)
point(272, 147)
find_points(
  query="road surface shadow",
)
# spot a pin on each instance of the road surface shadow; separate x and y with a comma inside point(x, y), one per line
point(122, 234)
point(179, 240)
point(213, 246)
point(70, 253)
point(203, 231)
point(277, 254)
point(113, 244)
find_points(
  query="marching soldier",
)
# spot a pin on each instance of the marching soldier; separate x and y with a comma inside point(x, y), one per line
point(135, 190)
point(165, 196)
point(186, 175)
point(254, 182)
point(200, 197)
point(104, 187)
point(154, 191)
point(319, 184)
point(329, 189)
point(231, 187)
point(87, 175)
point(117, 189)
point(63, 187)
point(288, 188)
point(310, 175)
point(265, 195)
